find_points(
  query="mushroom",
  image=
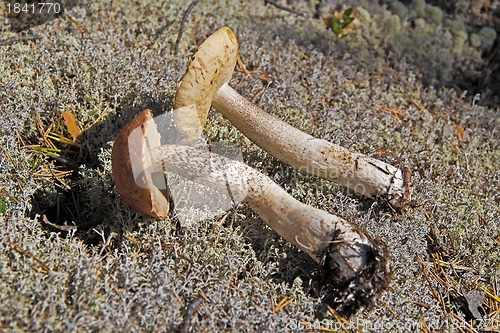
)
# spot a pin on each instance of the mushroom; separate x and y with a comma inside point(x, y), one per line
point(144, 192)
point(205, 83)
point(354, 261)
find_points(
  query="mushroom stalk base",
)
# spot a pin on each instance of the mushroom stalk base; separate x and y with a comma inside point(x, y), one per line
point(361, 173)
point(351, 258)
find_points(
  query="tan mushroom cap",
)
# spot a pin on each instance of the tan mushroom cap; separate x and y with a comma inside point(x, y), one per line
point(130, 157)
point(211, 67)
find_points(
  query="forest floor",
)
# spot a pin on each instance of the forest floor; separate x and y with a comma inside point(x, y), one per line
point(415, 85)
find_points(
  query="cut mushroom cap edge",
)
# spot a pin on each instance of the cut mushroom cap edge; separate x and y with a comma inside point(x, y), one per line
point(130, 156)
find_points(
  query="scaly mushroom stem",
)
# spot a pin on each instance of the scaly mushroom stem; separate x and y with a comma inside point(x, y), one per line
point(346, 252)
point(205, 84)
point(361, 173)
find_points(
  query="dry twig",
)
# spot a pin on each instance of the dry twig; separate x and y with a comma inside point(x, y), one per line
point(183, 24)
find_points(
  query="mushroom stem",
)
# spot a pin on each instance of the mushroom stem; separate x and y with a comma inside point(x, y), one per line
point(205, 83)
point(341, 248)
point(361, 173)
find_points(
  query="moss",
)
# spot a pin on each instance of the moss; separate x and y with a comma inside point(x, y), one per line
point(475, 40)
point(68, 42)
point(44, 83)
point(4, 204)
point(457, 26)
point(369, 92)
point(363, 14)
point(421, 24)
point(418, 7)
point(460, 42)
point(488, 36)
point(399, 8)
point(394, 24)
point(434, 14)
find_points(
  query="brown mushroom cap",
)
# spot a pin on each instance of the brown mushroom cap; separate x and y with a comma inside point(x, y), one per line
point(130, 158)
point(211, 67)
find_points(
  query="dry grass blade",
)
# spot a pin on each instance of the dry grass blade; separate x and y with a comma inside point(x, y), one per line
point(71, 124)
point(284, 302)
point(40, 266)
point(473, 305)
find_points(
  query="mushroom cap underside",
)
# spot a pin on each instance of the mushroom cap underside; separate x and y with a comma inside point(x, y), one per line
point(130, 157)
point(211, 67)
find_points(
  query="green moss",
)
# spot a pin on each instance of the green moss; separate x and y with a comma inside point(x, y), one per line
point(457, 26)
point(399, 8)
point(394, 24)
point(44, 83)
point(418, 7)
point(421, 24)
point(488, 36)
point(475, 40)
point(434, 14)
point(459, 42)
point(363, 14)
point(68, 42)
point(370, 93)
point(4, 204)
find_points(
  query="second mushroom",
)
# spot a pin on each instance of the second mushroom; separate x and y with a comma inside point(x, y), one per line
point(205, 84)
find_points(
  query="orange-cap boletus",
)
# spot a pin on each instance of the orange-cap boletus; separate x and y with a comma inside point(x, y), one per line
point(205, 83)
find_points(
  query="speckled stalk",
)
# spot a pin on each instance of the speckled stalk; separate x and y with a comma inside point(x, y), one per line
point(341, 248)
point(361, 173)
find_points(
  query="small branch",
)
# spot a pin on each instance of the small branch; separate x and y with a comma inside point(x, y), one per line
point(183, 24)
point(317, 9)
point(191, 309)
point(65, 228)
point(41, 268)
point(290, 10)
point(16, 39)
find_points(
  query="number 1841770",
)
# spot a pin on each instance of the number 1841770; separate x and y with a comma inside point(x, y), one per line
point(34, 8)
